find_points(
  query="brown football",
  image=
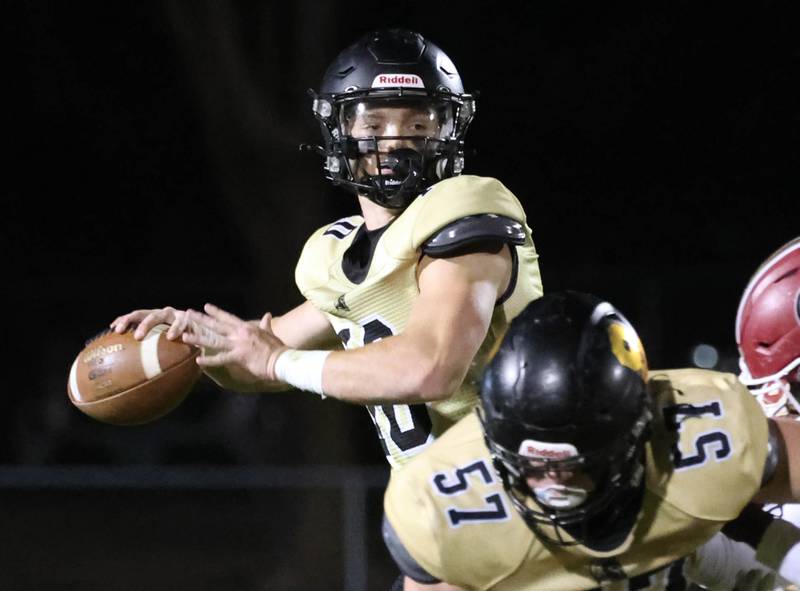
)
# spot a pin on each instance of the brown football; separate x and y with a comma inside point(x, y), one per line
point(119, 380)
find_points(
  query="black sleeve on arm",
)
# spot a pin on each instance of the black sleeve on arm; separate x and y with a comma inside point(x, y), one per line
point(408, 566)
point(749, 526)
point(753, 521)
point(486, 232)
point(774, 443)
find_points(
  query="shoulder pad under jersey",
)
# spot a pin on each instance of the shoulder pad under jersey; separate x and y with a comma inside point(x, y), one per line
point(434, 503)
point(446, 202)
point(408, 566)
point(709, 435)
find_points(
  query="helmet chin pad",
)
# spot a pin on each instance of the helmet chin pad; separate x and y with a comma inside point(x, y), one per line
point(398, 188)
point(400, 174)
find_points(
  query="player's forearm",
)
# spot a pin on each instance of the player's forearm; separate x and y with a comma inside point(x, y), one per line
point(721, 563)
point(429, 359)
point(395, 369)
point(242, 381)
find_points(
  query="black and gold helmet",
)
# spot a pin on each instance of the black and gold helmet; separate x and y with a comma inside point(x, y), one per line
point(392, 68)
point(566, 394)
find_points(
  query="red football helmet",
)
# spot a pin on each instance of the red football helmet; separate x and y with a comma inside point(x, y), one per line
point(768, 329)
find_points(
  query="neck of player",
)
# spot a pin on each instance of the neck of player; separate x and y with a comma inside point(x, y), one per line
point(376, 216)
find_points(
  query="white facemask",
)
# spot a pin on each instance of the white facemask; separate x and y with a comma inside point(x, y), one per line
point(559, 496)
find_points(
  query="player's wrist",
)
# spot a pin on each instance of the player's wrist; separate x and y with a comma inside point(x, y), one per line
point(270, 374)
point(301, 369)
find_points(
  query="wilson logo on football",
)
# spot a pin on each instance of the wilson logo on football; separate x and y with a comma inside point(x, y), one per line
point(404, 80)
point(101, 352)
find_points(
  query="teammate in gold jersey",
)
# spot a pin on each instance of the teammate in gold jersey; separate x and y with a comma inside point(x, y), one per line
point(581, 470)
point(403, 302)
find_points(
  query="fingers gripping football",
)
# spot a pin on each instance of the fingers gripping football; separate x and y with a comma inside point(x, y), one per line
point(146, 320)
point(227, 340)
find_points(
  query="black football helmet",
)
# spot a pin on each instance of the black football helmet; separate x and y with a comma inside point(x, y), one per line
point(566, 394)
point(392, 68)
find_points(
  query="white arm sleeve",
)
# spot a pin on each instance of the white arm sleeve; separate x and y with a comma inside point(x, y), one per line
point(722, 563)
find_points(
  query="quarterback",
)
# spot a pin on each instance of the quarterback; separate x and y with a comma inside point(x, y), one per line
point(404, 302)
point(581, 470)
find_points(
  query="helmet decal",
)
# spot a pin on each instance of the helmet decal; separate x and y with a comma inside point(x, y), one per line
point(627, 348)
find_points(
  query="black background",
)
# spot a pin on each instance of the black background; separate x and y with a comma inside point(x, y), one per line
point(152, 160)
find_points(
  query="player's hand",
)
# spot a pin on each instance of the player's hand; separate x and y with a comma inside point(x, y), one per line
point(245, 350)
point(145, 320)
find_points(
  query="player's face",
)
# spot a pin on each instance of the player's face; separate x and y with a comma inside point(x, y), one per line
point(388, 127)
point(563, 486)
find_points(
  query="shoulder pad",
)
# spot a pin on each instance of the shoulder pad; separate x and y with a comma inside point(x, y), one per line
point(474, 228)
point(408, 566)
point(446, 202)
point(454, 475)
point(709, 433)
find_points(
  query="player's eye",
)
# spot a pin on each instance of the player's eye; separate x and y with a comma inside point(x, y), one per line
point(534, 470)
point(561, 469)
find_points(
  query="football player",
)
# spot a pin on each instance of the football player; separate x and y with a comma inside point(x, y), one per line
point(768, 338)
point(581, 470)
point(418, 288)
point(768, 332)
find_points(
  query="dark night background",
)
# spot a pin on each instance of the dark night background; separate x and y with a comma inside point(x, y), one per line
point(152, 160)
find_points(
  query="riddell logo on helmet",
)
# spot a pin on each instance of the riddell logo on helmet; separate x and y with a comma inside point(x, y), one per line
point(547, 451)
point(404, 80)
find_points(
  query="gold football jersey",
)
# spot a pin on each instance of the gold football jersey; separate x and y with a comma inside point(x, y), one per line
point(379, 306)
point(704, 464)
